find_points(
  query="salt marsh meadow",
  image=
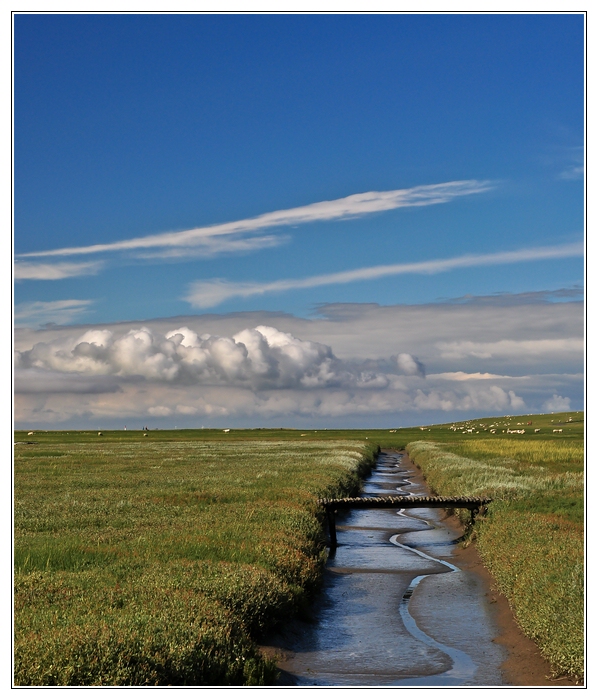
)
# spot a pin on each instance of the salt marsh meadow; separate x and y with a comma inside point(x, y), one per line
point(163, 559)
point(532, 536)
point(155, 562)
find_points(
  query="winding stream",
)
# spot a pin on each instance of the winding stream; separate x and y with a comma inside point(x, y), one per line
point(395, 610)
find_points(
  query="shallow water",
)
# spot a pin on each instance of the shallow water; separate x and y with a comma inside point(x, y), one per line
point(395, 611)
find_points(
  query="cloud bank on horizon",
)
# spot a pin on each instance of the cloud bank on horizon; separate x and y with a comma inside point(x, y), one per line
point(262, 373)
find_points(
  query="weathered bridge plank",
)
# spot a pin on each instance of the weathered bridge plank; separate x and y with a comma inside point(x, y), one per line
point(404, 502)
point(333, 504)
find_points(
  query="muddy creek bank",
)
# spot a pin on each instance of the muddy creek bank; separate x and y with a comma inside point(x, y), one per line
point(397, 608)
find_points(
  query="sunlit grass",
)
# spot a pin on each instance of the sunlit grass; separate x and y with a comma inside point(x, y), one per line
point(501, 476)
point(552, 453)
point(157, 563)
point(149, 561)
point(532, 537)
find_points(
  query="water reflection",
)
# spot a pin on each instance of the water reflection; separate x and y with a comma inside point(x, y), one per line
point(395, 610)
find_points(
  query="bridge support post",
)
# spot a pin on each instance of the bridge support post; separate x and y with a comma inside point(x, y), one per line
point(330, 512)
point(475, 506)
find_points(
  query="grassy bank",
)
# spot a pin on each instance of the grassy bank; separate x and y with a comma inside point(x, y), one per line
point(160, 559)
point(154, 561)
point(531, 538)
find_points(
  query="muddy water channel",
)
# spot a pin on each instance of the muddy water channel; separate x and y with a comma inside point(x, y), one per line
point(395, 610)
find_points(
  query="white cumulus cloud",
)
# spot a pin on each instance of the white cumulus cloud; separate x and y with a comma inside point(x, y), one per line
point(355, 365)
point(473, 398)
point(159, 411)
point(557, 404)
point(408, 364)
point(258, 358)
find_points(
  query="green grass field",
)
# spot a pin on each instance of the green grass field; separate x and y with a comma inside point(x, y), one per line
point(532, 537)
point(161, 559)
point(158, 562)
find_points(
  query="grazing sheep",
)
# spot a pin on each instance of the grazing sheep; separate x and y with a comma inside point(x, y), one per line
point(100, 433)
point(536, 430)
point(30, 432)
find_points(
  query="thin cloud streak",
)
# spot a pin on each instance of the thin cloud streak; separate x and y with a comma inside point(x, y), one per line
point(210, 247)
point(213, 292)
point(347, 207)
point(54, 271)
point(61, 311)
point(576, 172)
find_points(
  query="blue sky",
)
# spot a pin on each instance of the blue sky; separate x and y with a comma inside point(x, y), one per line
point(298, 172)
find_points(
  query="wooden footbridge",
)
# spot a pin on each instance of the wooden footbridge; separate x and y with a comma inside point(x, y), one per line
point(332, 505)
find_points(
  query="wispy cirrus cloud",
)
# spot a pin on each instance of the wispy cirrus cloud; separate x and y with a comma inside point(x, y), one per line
point(54, 271)
point(205, 294)
point(60, 312)
point(509, 348)
point(210, 247)
point(575, 169)
point(575, 172)
point(355, 205)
